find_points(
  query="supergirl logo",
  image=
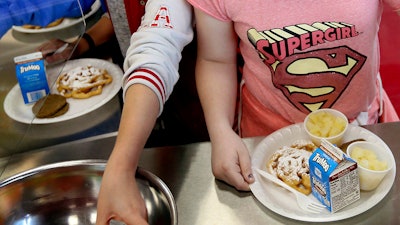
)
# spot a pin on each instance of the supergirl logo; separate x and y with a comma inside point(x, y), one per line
point(277, 44)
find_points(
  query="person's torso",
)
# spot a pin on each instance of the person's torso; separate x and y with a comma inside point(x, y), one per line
point(304, 55)
point(307, 56)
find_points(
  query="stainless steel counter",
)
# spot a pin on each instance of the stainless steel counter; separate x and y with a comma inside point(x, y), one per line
point(201, 199)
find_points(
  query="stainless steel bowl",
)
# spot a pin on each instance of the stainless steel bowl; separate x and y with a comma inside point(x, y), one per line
point(66, 193)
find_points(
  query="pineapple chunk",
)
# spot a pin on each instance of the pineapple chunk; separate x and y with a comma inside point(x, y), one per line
point(368, 159)
point(324, 124)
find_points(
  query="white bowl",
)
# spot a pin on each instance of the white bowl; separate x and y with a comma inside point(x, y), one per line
point(336, 139)
point(370, 179)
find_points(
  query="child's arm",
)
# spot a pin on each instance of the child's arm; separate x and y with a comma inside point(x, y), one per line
point(216, 76)
point(151, 70)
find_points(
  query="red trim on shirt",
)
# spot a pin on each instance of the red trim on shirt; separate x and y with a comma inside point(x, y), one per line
point(160, 89)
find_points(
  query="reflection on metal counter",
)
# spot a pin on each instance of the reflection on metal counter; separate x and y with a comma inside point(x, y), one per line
point(16, 137)
point(22, 137)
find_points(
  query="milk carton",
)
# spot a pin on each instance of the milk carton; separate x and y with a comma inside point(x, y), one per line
point(334, 177)
point(31, 75)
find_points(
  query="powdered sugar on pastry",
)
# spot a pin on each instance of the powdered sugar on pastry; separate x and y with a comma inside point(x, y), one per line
point(290, 164)
point(80, 77)
point(83, 82)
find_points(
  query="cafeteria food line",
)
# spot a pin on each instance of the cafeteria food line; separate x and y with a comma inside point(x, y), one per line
point(186, 169)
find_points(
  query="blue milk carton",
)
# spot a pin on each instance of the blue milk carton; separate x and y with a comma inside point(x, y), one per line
point(334, 177)
point(31, 75)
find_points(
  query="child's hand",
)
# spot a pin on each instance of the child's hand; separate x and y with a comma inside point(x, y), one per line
point(119, 199)
point(231, 161)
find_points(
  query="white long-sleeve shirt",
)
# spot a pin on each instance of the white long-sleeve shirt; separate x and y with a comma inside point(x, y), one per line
point(153, 56)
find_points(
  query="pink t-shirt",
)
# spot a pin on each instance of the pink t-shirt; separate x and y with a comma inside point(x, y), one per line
point(304, 55)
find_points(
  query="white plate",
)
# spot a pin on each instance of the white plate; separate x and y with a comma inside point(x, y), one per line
point(67, 22)
point(15, 107)
point(282, 202)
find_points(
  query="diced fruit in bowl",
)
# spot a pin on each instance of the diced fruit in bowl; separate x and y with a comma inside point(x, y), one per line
point(374, 162)
point(368, 159)
point(329, 124)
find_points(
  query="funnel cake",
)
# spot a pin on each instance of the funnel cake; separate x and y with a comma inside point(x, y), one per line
point(83, 82)
point(290, 164)
point(36, 27)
